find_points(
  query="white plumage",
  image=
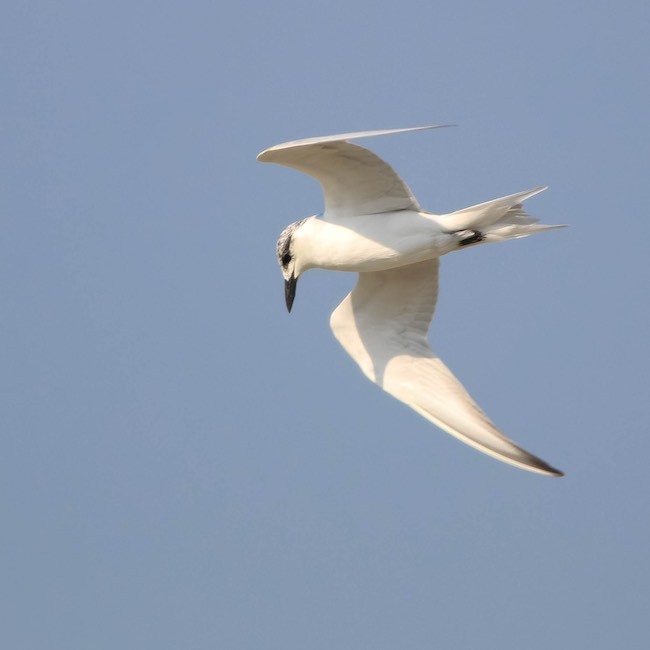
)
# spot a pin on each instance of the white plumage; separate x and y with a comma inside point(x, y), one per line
point(373, 224)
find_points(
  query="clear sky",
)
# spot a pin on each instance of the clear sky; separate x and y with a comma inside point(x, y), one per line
point(183, 465)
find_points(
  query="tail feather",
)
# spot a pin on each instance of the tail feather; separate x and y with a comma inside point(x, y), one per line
point(499, 219)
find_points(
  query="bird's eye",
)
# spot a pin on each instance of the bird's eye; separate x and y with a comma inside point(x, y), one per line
point(286, 258)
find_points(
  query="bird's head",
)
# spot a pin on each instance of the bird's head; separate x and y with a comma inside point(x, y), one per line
point(288, 250)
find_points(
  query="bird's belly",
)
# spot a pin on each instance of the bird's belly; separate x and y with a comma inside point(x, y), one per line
point(379, 242)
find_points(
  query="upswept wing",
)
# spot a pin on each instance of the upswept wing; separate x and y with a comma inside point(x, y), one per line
point(383, 323)
point(355, 181)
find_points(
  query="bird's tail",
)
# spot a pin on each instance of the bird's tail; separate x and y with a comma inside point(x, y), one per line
point(497, 220)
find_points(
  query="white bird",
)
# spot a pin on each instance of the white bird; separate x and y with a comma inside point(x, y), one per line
point(373, 225)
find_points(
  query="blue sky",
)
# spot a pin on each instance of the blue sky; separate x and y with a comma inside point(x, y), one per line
point(183, 464)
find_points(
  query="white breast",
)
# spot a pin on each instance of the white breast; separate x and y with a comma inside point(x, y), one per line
point(372, 243)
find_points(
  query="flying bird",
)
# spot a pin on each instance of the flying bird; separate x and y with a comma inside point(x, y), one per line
point(373, 225)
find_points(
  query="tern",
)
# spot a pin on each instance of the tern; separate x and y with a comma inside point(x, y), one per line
point(373, 225)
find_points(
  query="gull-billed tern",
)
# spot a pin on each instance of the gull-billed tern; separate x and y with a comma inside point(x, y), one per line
point(373, 225)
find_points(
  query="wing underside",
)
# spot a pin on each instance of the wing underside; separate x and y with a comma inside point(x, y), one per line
point(383, 325)
point(355, 181)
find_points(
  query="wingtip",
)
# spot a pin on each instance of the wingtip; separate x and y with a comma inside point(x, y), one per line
point(543, 467)
point(428, 127)
point(268, 154)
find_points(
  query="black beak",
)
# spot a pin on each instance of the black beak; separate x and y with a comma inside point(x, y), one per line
point(290, 291)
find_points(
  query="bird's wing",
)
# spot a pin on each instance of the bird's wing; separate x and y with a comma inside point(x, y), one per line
point(383, 323)
point(354, 180)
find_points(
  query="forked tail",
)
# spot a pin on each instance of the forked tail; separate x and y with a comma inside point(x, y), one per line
point(497, 220)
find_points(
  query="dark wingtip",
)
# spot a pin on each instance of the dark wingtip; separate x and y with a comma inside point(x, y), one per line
point(536, 464)
point(545, 467)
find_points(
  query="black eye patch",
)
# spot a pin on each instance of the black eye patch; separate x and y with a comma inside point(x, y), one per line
point(286, 258)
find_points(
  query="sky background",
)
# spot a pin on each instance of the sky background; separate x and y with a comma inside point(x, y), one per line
point(185, 466)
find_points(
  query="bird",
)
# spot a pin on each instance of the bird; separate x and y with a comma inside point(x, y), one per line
point(374, 226)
